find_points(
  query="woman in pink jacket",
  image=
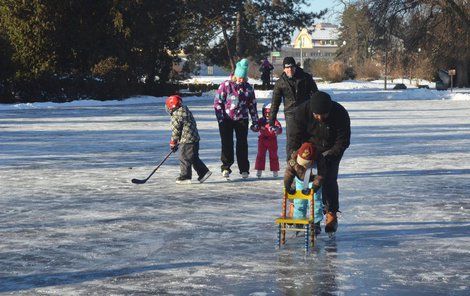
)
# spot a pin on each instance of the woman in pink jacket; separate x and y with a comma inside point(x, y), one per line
point(234, 102)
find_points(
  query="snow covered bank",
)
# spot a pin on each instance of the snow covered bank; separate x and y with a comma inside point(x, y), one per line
point(343, 92)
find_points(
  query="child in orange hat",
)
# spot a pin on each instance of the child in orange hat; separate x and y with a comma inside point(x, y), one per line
point(302, 162)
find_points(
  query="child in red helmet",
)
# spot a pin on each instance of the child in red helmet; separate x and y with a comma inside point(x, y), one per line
point(185, 136)
point(267, 140)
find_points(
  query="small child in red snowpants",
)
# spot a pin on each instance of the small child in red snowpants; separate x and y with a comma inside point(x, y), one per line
point(267, 140)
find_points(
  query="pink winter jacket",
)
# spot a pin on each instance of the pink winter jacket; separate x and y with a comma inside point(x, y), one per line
point(235, 101)
point(264, 131)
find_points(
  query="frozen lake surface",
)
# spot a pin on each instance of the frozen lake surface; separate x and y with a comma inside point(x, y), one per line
point(72, 223)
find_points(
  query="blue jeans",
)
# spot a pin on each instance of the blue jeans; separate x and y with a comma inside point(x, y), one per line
point(302, 206)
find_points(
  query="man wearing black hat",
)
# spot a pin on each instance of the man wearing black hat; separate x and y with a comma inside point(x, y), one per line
point(295, 87)
point(326, 124)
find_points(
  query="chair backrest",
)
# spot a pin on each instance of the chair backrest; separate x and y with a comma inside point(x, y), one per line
point(298, 195)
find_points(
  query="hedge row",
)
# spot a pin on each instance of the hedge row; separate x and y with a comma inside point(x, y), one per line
point(69, 89)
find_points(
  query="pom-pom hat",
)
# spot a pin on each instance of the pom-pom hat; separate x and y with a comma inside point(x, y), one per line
point(306, 154)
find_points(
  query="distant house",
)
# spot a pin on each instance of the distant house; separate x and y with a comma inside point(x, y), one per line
point(318, 42)
point(207, 70)
point(204, 70)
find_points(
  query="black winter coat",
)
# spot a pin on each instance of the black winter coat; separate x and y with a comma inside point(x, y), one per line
point(333, 135)
point(295, 93)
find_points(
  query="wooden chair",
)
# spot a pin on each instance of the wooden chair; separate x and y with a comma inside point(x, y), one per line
point(290, 224)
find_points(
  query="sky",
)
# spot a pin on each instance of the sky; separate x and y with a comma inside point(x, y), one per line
point(331, 16)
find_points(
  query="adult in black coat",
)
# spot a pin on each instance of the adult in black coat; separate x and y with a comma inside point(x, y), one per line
point(326, 124)
point(293, 88)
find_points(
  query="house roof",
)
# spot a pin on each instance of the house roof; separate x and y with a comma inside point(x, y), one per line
point(324, 31)
point(319, 32)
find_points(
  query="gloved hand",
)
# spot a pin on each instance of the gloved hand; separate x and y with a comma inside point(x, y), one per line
point(173, 145)
point(327, 154)
point(306, 191)
point(291, 190)
point(254, 127)
point(317, 182)
point(273, 129)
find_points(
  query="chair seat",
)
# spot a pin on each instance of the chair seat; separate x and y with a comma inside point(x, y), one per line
point(293, 221)
point(298, 195)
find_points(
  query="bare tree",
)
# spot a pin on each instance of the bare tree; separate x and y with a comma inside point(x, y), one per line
point(440, 28)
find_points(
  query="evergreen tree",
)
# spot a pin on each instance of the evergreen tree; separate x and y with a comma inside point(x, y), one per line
point(148, 31)
point(28, 28)
point(118, 41)
point(356, 35)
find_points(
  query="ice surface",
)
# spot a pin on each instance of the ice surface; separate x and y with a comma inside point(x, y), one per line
point(72, 223)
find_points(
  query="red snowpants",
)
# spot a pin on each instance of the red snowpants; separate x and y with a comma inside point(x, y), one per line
point(269, 144)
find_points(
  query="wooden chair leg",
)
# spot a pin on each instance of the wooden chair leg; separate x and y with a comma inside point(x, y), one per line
point(283, 233)
point(312, 234)
point(307, 237)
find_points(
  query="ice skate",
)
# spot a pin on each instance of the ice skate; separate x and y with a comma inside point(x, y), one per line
point(226, 174)
point(182, 181)
point(259, 173)
point(205, 177)
point(331, 224)
point(317, 228)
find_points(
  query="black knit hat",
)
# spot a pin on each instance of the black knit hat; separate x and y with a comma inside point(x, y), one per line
point(320, 103)
point(288, 62)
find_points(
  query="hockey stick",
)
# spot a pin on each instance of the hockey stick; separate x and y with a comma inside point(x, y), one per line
point(139, 181)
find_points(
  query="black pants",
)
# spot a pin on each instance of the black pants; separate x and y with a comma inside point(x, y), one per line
point(328, 168)
point(289, 127)
point(189, 157)
point(266, 84)
point(226, 129)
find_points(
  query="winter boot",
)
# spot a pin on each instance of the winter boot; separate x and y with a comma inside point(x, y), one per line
point(331, 223)
point(259, 173)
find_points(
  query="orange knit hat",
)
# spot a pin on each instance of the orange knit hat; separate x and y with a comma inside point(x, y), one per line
point(306, 154)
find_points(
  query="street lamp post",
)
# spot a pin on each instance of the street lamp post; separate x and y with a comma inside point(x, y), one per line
point(301, 53)
point(385, 73)
point(417, 63)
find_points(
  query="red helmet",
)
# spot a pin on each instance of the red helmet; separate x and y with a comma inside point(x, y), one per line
point(173, 102)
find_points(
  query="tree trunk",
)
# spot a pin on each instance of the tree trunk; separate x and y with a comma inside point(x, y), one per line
point(227, 45)
point(462, 73)
point(239, 33)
